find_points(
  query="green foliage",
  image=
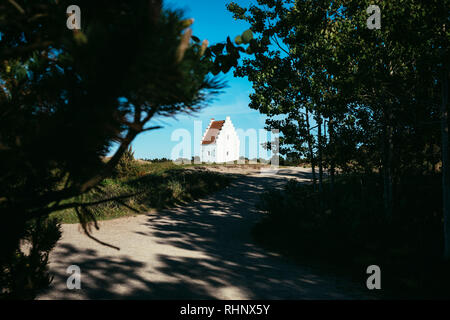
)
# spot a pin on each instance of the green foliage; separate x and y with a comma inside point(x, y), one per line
point(247, 36)
point(317, 60)
point(126, 165)
point(26, 273)
point(342, 228)
point(176, 188)
point(348, 98)
point(149, 186)
point(67, 96)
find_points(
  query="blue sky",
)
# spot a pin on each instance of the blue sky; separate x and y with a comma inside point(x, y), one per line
point(215, 23)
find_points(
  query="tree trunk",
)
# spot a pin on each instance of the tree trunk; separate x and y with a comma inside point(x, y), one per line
point(387, 165)
point(445, 165)
point(319, 151)
point(388, 156)
point(430, 156)
point(311, 151)
point(332, 155)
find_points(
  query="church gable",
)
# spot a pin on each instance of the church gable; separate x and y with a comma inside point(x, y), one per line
point(212, 132)
point(220, 143)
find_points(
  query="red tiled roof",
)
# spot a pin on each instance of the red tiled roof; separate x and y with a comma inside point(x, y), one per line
point(213, 131)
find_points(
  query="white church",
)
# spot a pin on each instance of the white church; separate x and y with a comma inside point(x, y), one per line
point(220, 142)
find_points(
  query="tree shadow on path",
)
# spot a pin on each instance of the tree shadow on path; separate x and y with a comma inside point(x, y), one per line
point(203, 250)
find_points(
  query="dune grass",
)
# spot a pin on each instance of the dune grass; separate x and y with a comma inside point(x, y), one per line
point(148, 186)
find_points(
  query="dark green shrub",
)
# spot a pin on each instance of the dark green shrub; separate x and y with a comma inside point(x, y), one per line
point(26, 273)
point(346, 229)
point(126, 166)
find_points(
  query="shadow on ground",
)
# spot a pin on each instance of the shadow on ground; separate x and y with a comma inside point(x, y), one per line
point(203, 250)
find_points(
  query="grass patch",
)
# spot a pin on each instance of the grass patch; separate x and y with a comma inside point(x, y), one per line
point(150, 186)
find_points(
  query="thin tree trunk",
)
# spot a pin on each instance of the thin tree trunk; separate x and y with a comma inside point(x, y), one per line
point(388, 157)
point(319, 151)
point(311, 151)
point(332, 155)
point(387, 166)
point(445, 165)
point(432, 157)
point(326, 156)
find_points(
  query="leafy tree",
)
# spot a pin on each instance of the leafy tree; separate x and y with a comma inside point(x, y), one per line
point(391, 75)
point(279, 91)
point(67, 95)
point(379, 91)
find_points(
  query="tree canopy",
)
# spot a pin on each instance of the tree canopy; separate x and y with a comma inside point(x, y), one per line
point(68, 95)
point(349, 97)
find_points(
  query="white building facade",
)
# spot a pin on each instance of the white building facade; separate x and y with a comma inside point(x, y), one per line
point(220, 142)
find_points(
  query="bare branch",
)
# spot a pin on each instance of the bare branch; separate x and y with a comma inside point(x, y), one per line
point(84, 226)
point(17, 6)
point(184, 43)
point(151, 128)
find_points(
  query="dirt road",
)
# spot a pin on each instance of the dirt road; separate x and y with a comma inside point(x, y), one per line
point(203, 250)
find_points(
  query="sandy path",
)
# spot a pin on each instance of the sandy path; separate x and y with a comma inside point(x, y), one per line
point(200, 251)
